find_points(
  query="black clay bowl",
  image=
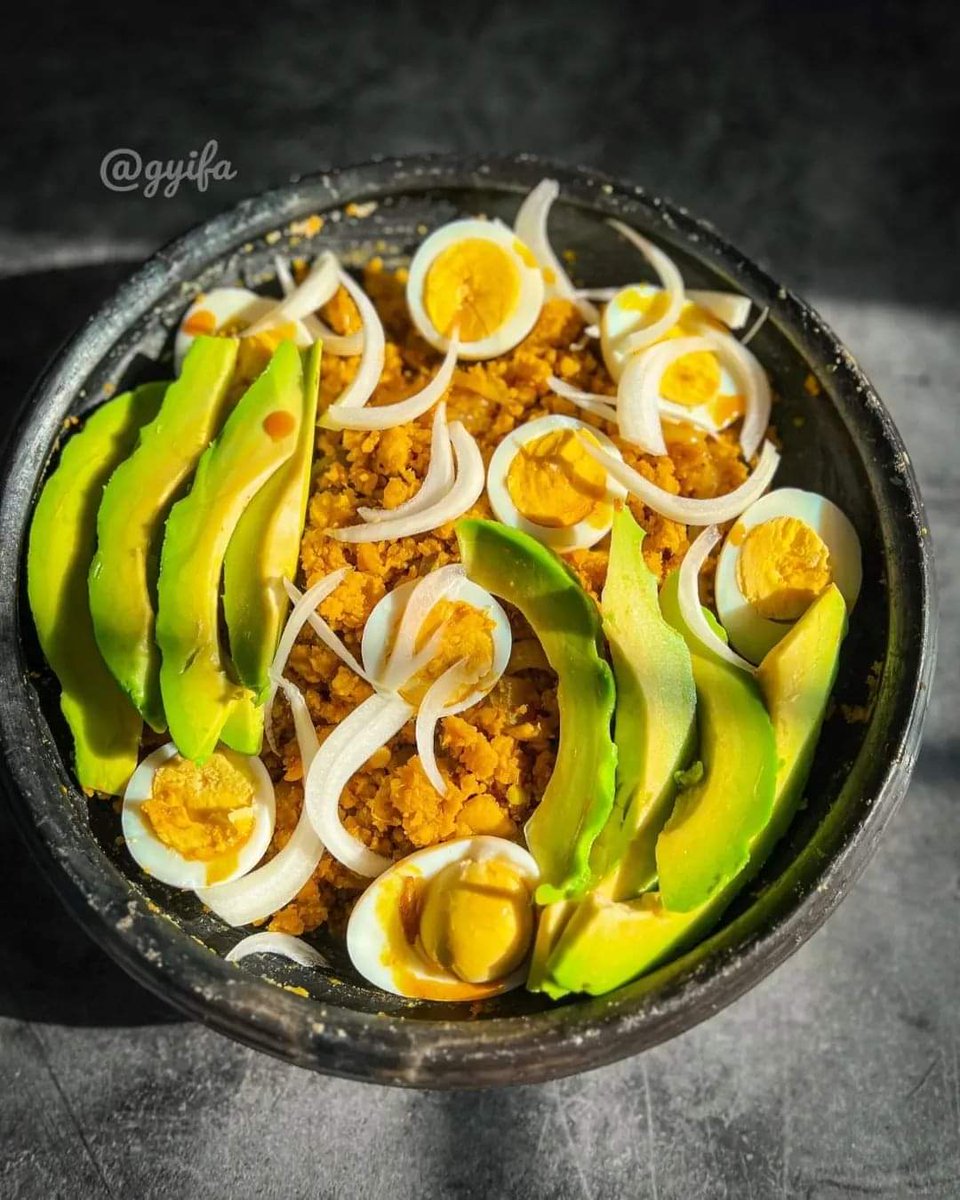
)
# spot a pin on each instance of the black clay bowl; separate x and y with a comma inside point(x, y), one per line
point(840, 442)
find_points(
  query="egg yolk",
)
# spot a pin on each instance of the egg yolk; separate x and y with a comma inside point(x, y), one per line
point(782, 567)
point(467, 635)
point(474, 284)
point(202, 812)
point(476, 920)
point(553, 481)
point(692, 380)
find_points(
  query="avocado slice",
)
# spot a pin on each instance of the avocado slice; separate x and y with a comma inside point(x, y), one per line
point(258, 437)
point(136, 500)
point(104, 724)
point(578, 799)
point(265, 547)
point(706, 840)
point(606, 944)
point(655, 722)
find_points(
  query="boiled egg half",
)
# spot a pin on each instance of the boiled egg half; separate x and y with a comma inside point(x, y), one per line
point(193, 826)
point(230, 310)
point(543, 480)
point(452, 922)
point(779, 556)
point(478, 278)
point(695, 388)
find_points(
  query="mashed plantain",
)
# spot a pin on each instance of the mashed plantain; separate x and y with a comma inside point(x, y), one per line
point(499, 754)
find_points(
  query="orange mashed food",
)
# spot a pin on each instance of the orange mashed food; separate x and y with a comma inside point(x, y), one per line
point(498, 755)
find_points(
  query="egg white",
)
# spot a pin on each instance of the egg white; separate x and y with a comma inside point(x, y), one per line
point(616, 325)
point(573, 537)
point(229, 305)
point(369, 944)
point(529, 301)
point(162, 861)
point(383, 620)
point(750, 634)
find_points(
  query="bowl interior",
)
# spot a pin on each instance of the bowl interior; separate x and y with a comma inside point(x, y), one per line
point(835, 441)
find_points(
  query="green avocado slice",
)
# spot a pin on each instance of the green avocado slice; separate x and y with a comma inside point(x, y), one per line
point(265, 547)
point(258, 437)
point(136, 500)
point(578, 799)
point(606, 944)
point(655, 723)
point(104, 724)
point(706, 840)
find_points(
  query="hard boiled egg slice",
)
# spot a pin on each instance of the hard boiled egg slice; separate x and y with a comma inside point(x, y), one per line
point(463, 622)
point(477, 277)
point(778, 557)
point(452, 922)
point(229, 310)
point(195, 826)
point(543, 481)
point(696, 388)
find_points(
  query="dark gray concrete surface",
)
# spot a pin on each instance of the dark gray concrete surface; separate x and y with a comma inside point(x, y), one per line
point(820, 137)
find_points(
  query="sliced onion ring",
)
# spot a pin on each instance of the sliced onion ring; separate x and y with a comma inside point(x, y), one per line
point(347, 747)
point(436, 483)
point(465, 492)
point(325, 633)
point(387, 416)
point(283, 945)
point(267, 889)
point(341, 345)
point(319, 286)
point(444, 691)
point(729, 307)
point(370, 368)
point(688, 595)
point(291, 631)
point(671, 281)
point(752, 382)
point(530, 227)
point(638, 393)
point(592, 402)
point(685, 509)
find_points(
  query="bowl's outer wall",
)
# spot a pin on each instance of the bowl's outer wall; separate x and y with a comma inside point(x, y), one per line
point(840, 442)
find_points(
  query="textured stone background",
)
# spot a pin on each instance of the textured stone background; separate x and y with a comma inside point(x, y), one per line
point(820, 137)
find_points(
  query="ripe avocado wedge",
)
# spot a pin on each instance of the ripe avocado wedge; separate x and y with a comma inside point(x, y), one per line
point(265, 547)
point(136, 500)
point(605, 944)
point(706, 840)
point(258, 437)
point(579, 796)
point(105, 725)
point(655, 723)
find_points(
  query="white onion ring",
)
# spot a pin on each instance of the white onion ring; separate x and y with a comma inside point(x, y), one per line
point(755, 328)
point(729, 307)
point(592, 402)
point(325, 633)
point(437, 481)
point(530, 227)
point(341, 345)
point(684, 509)
point(688, 596)
point(291, 631)
point(284, 277)
point(638, 393)
point(362, 386)
point(319, 286)
point(387, 416)
point(267, 889)
point(751, 380)
point(441, 693)
point(347, 747)
point(428, 591)
point(602, 295)
point(671, 281)
point(465, 492)
point(283, 945)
